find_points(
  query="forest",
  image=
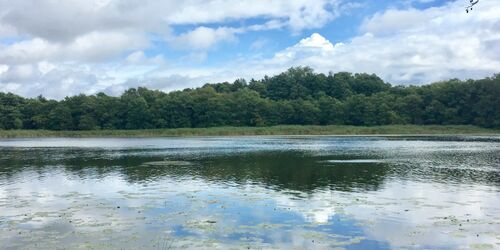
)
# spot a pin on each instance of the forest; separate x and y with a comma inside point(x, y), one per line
point(298, 96)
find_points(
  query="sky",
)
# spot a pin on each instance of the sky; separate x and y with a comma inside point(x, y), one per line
point(59, 48)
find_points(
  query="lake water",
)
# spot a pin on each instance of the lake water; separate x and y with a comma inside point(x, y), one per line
point(250, 192)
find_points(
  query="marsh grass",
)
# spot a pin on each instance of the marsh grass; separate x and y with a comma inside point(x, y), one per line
point(274, 130)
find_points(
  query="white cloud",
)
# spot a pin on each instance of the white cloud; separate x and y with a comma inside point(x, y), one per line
point(203, 38)
point(46, 25)
point(92, 47)
point(73, 18)
point(401, 46)
point(108, 36)
point(259, 43)
point(7, 31)
point(409, 46)
point(45, 67)
point(106, 52)
point(136, 57)
point(313, 46)
point(3, 68)
point(394, 20)
point(299, 14)
point(97, 46)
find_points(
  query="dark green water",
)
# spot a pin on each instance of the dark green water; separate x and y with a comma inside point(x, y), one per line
point(251, 192)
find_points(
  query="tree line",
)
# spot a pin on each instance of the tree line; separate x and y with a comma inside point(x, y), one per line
point(297, 96)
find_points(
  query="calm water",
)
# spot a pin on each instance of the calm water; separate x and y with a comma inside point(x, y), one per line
point(251, 192)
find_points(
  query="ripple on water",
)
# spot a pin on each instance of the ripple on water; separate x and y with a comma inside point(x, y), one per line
point(315, 192)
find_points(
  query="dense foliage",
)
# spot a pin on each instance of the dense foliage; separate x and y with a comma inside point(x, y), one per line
point(297, 96)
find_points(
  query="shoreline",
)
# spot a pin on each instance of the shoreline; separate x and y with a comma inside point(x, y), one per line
point(282, 130)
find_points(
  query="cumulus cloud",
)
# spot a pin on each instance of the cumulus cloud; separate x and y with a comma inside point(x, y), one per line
point(394, 20)
point(107, 35)
point(51, 24)
point(313, 46)
point(298, 15)
point(109, 50)
point(409, 46)
point(49, 80)
point(401, 45)
point(139, 58)
point(92, 47)
point(203, 38)
point(65, 20)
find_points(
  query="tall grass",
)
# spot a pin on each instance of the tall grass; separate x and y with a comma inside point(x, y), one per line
point(274, 130)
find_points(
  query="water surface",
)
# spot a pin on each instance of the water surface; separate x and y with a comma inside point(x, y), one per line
point(251, 192)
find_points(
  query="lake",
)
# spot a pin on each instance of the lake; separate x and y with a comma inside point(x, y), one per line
point(309, 192)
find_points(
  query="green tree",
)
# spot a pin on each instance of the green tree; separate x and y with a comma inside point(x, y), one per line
point(135, 110)
point(331, 111)
point(296, 96)
point(60, 118)
point(339, 85)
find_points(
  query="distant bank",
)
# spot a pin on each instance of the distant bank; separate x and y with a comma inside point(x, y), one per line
point(274, 130)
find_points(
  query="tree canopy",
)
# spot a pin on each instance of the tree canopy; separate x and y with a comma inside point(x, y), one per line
point(297, 96)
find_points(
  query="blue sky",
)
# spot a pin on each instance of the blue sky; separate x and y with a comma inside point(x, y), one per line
point(340, 29)
point(60, 48)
